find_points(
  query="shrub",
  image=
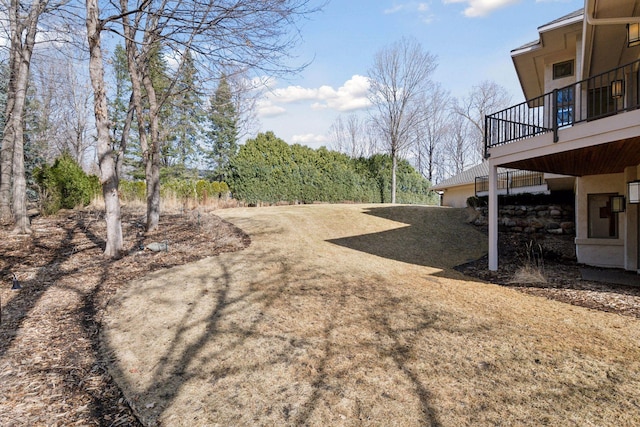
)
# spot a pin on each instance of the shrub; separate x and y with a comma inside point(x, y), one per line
point(65, 185)
point(475, 202)
point(133, 190)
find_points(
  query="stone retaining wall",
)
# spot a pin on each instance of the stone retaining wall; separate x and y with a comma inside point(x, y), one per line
point(552, 219)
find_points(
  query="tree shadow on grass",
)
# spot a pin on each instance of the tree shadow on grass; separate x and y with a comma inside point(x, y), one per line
point(226, 353)
point(64, 256)
point(427, 236)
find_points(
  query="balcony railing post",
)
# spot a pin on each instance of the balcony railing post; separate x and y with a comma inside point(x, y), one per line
point(554, 114)
point(586, 100)
point(486, 136)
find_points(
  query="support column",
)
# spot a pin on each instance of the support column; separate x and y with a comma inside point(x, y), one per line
point(631, 226)
point(493, 216)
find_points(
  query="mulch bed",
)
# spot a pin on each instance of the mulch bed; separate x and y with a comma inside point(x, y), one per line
point(51, 369)
point(559, 267)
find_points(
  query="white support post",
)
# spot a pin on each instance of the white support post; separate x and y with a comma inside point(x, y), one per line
point(493, 217)
point(631, 225)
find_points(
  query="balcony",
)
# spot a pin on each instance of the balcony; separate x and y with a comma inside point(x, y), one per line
point(513, 182)
point(595, 98)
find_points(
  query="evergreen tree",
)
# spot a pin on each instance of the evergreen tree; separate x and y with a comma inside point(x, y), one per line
point(186, 116)
point(223, 132)
point(121, 112)
point(161, 81)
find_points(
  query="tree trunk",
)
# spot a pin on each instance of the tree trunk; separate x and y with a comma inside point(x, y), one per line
point(8, 137)
point(394, 167)
point(106, 160)
point(153, 168)
point(13, 140)
point(19, 187)
point(138, 72)
point(6, 169)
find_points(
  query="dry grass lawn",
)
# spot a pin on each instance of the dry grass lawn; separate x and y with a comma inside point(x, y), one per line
point(349, 315)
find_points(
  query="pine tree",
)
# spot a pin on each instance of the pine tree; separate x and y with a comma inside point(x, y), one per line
point(186, 117)
point(120, 111)
point(223, 132)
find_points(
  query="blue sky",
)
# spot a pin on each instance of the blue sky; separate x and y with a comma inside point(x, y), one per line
point(472, 40)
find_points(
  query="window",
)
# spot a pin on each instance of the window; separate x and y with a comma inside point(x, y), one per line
point(564, 105)
point(600, 103)
point(603, 224)
point(562, 69)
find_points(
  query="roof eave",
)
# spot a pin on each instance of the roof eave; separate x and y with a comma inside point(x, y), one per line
point(566, 22)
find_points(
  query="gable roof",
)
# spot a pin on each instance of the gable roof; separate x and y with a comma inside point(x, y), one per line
point(569, 18)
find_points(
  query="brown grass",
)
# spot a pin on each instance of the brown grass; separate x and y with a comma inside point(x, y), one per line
point(528, 275)
point(352, 315)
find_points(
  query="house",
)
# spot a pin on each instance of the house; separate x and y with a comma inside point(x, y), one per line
point(474, 181)
point(581, 118)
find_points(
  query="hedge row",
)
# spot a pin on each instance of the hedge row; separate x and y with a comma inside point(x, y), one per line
point(267, 169)
point(187, 189)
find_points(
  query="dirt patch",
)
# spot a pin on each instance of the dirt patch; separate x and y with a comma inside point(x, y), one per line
point(51, 370)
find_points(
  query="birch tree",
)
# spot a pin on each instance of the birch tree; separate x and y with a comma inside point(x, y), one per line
point(398, 79)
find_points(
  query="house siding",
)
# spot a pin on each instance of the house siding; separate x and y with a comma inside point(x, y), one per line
point(598, 251)
point(456, 197)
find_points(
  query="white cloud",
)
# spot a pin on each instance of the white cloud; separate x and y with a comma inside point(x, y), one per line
point(394, 9)
point(478, 8)
point(294, 94)
point(422, 8)
point(267, 109)
point(352, 95)
point(309, 139)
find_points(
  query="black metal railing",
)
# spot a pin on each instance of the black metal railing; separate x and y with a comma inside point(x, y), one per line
point(597, 97)
point(510, 180)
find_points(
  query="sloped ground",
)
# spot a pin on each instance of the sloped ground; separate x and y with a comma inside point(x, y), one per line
point(353, 315)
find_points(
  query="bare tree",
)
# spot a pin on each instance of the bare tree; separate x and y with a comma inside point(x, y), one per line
point(245, 100)
point(349, 136)
point(75, 102)
point(63, 104)
point(399, 78)
point(244, 33)
point(485, 98)
point(459, 144)
point(23, 23)
point(106, 157)
point(432, 131)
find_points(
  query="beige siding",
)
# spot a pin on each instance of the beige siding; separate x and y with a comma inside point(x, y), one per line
point(598, 252)
point(456, 197)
